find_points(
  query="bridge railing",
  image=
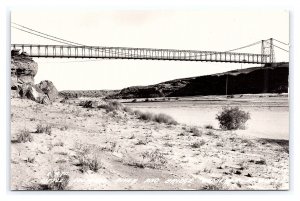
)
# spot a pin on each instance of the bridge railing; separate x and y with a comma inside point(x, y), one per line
point(64, 51)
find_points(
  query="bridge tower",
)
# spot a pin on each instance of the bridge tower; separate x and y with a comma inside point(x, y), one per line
point(267, 48)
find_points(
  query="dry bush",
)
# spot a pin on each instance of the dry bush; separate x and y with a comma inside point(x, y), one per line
point(159, 118)
point(216, 185)
point(40, 128)
point(154, 159)
point(164, 118)
point(198, 144)
point(64, 128)
point(30, 159)
point(87, 160)
point(24, 136)
point(112, 106)
point(208, 126)
point(195, 131)
point(232, 118)
point(59, 144)
point(147, 116)
point(57, 180)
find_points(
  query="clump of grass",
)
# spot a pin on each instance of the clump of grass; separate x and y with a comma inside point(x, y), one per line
point(61, 161)
point(211, 133)
point(141, 142)
point(128, 110)
point(112, 106)
point(208, 126)
point(217, 184)
point(195, 132)
point(198, 144)
point(164, 118)
point(232, 118)
point(59, 144)
point(40, 128)
point(159, 118)
point(88, 162)
point(64, 128)
point(57, 180)
point(147, 116)
point(87, 159)
point(30, 159)
point(154, 159)
point(24, 136)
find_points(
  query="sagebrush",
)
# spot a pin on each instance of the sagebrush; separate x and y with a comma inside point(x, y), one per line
point(232, 118)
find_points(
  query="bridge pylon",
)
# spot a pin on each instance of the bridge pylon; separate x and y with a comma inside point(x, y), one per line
point(267, 48)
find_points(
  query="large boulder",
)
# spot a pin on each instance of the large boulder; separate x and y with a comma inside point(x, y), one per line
point(29, 91)
point(48, 88)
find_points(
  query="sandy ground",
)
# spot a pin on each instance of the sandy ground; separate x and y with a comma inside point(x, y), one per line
point(138, 155)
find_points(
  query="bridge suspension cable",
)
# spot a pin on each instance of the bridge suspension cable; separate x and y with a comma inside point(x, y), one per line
point(279, 47)
point(140, 52)
point(47, 35)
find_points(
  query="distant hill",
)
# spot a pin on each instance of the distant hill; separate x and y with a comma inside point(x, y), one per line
point(268, 79)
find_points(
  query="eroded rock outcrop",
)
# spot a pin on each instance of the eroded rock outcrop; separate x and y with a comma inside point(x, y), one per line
point(23, 70)
point(48, 88)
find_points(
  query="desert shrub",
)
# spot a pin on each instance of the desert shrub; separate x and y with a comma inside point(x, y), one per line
point(30, 159)
point(86, 159)
point(217, 184)
point(134, 101)
point(64, 128)
point(24, 136)
point(195, 131)
point(112, 106)
point(164, 118)
point(88, 162)
point(197, 144)
point(210, 133)
point(40, 128)
point(128, 110)
point(232, 118)
point(147, 116)
point(147, 100)
point(58, 180)
point(159, 118)
point(141, 142)
point(208, 126)
point(153, 159)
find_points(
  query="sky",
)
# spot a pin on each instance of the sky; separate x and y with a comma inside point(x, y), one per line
point(215, 30)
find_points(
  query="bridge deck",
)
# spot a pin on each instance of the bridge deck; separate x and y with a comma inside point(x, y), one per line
point(65, 51)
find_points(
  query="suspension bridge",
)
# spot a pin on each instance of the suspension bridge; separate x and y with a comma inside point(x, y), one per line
point(69, 49)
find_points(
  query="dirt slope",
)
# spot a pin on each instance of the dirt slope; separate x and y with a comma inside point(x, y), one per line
point(130, 151)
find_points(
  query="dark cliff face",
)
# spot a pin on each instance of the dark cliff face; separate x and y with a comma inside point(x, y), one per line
point(252, 80)
point(269, 80)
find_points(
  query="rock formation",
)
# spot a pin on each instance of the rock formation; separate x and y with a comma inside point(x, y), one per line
point(23, 70)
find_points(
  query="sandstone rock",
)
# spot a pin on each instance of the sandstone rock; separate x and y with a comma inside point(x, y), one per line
point(26, 90)
point(14, 94)
point(23, 70)
point(48, 88)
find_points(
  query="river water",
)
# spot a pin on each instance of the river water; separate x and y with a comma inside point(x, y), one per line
point(269, 118)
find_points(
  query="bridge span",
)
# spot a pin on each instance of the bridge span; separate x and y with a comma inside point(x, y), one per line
point(98, 52)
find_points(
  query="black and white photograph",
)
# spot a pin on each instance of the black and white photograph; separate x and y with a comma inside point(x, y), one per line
point(151, 100)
